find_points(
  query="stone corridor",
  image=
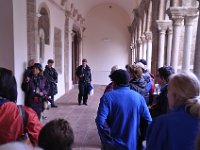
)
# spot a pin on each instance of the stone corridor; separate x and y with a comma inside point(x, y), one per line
point(81, 118)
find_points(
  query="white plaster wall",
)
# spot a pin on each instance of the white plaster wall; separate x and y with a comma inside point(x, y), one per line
point(106, 41)
point(6, 35)
point(20, 44)
point(57, 19)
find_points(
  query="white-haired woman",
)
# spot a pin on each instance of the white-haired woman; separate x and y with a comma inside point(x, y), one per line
point(179, 128)
point(109, 87)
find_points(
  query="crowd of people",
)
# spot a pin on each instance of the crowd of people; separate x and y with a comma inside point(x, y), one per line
point(130, 115)
point(40, 86)
point(20, 124)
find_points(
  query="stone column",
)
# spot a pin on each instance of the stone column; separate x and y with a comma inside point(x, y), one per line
point(135, 52)
point(139, 42)
point(32, 29)
point(132, 52)
point(161, 13)
point(144, 47)
point(197, 50)
point(149, 17)
point(135, 45)
point(175, 3)
point(148, 35)
point(176, 14)
point(191, 14)
point(139, 49)
point(149, 49)
point(169, 44)
point(162, 27)
point(144, 21)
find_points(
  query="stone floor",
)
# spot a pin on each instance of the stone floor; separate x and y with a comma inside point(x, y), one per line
point(81, 118)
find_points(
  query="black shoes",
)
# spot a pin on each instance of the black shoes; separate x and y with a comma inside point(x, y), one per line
point(85, 104)
point(54, 106)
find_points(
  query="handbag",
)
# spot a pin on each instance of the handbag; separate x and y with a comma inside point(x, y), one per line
point(45, 100)
point(90, 89)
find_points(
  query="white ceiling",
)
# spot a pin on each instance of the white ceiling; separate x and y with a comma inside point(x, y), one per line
point(84, 6)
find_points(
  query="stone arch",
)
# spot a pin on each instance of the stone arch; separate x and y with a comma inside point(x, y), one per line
point(44, 21)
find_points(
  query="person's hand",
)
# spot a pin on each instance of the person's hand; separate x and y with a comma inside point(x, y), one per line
point(41, 94)
point(27, 79)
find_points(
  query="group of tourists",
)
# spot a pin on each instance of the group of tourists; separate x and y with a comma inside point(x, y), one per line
point(131, 116)
point(20, 126)
point(40, 86)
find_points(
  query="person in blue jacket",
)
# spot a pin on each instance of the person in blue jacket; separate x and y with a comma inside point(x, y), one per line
point(119, 113)
point(178, 129)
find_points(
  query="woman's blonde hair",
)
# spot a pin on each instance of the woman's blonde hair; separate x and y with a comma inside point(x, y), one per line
point(138, 72)
point(186, 88)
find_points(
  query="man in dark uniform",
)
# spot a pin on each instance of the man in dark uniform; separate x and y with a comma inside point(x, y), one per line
point(83, 73)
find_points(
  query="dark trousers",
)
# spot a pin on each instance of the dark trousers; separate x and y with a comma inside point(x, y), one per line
point(106, 147)
point(83, 93)
point(52, 98)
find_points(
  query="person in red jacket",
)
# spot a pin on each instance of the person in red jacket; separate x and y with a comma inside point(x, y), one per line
point(12, 123)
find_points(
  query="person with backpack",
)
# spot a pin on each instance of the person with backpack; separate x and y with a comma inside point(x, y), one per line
point(15, 122)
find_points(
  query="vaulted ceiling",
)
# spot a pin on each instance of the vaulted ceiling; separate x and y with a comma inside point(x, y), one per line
point(84, 6)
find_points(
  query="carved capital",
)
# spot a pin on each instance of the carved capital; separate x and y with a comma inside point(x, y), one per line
point(143, 39)
point(139, 42)
point(148, 36)
point(68, 13)
point(163, 25)
point(133, 46)
point(177, 15)
point(178, 20)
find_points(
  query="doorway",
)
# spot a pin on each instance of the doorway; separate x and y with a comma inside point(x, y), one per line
point(75, 54)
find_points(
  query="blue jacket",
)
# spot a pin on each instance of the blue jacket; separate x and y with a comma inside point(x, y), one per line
point(176, 130)
point(118, 118)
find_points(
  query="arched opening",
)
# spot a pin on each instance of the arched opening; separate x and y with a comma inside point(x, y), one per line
point(43, 23)
point(76, 40)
